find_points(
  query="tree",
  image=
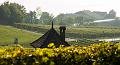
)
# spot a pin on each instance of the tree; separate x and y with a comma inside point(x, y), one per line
point(18, 12)
point(112, 14)
point(4, 13)
point(46, 18)
point(79, 19)
point(59, 19)
point(38, 12)
point(31, 17)
point(11, 13)
point(69, 20)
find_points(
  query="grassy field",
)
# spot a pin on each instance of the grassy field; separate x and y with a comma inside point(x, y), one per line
point(78, 32)
point(8, 34)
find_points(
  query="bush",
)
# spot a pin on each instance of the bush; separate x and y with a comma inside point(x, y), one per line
point(95, 54)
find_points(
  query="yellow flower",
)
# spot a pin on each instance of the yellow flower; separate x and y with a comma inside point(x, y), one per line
point(51, 45)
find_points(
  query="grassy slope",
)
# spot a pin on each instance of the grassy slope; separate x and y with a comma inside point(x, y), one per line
point(8, 33)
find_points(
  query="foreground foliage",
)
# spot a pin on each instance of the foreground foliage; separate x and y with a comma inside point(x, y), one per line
point(95, 54)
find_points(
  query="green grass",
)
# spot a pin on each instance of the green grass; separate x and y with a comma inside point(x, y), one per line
point(8, 33)
point(81, 31)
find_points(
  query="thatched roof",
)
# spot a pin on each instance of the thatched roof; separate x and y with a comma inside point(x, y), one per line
point(51, 36)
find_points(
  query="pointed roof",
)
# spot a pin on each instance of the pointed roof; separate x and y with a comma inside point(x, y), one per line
point(52, 24)
point(51, 36)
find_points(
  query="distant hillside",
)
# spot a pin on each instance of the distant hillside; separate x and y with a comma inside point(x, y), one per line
point(84, 16)
point(96, 15)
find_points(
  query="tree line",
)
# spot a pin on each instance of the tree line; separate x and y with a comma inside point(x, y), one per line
point(11, 13)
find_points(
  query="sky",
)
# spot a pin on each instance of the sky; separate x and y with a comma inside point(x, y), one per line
point(56, 7)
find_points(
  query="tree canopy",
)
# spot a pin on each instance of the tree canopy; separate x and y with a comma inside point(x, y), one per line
point(12, 13)
point(46, 18)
